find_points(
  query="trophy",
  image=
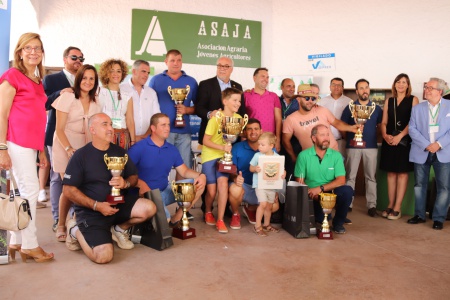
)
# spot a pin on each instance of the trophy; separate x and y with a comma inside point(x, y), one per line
point(231, 128)
point(361, 113)
point(184, 192)
point(116, 165)
point(179, 95)
point(327, 201)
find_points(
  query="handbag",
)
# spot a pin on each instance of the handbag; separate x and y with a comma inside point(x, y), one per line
point(298, 218)
point(15, 211)
point(406, 139)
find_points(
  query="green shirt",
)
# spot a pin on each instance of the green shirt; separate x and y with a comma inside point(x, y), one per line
point(319, 173)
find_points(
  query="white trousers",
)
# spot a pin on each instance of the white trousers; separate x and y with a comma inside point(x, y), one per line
point(24, 170)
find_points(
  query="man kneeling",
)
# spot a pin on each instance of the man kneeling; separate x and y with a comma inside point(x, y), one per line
point(87, 183)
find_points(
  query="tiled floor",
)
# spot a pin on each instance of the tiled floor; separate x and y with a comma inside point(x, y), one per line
point(375, 259)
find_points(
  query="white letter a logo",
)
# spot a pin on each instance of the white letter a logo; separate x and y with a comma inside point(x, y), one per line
point(154, 40)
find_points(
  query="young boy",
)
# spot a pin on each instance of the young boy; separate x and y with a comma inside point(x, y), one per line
point(266, 198)
point(213, 149)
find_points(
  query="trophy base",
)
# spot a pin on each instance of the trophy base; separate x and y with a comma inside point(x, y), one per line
point(324, 235)
point(113, 200)
point(357, 144)
point(183, 235)
point(180, 123)
point(224, 168)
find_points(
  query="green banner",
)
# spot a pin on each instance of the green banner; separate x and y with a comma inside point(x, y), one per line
point(201, 39)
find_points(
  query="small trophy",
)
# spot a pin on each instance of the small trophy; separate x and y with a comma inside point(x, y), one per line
point(179, 95)
point(231, 128)
point(327, 201)
point(116, 165)
point(361, 113)
point(184, 192)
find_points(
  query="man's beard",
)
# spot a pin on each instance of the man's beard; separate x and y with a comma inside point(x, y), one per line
point(324, 145)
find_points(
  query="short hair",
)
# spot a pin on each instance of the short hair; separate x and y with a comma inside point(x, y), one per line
point(442, 85)
point(229, 58)
point(103, 72)
point(316, 128)
point(361, 80)
point(68, 49)
point(315, 85)
point(139, 62)
point(269, 136)
point(254, 121)
point(337, 79)
point(18, 62)
point(155, 118)
point(260, 69)
point(226, 93)
point(284, 80)
point(79, 77)
point(397, 78)
point(174, 52)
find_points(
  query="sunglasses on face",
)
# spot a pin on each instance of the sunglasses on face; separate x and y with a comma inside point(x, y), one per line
point(74, 58)
point(307, 98)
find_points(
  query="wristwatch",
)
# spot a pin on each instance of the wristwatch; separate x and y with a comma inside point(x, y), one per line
point(322, 188)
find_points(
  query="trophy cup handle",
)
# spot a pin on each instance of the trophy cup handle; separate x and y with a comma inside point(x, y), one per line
point(351, 106)
point(188, 89)
point(373, 106)
point(174, 188)
point(219, 121)
point(126, 159)
point(169, 90)
point(245, 122)
point(106, 159)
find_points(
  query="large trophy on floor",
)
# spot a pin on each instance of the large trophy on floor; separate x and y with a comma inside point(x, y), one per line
point(179, 95)
point(230, 128)
point(184, 192)
point(116, 166)
point(361, 113)
point(327, 201)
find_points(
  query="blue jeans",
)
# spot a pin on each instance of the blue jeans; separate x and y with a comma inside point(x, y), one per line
point(421, 174)
point(167, 198)
point(344, 195)
point(182, 141)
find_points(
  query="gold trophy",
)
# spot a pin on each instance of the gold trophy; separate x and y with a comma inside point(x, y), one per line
point(184, 192)
point(327, 201)
point(179, 95)
point(361, 113)
point(116, 165)
point(231, 129)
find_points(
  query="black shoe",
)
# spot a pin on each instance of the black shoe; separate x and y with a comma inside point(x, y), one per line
point(174, 224)
point(55, 225)
point(339, 229)
point(416, 220)
point(348, 221)
point(372, 212)
point(438, 225)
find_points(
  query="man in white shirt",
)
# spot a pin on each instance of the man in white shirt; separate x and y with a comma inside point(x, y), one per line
point(336, 102)
point(145, 100)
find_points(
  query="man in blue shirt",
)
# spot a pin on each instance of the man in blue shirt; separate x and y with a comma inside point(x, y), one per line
point(370, 152)
point(154, 157)
point(176, 78)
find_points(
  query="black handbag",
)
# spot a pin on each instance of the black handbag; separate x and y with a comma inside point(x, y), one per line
point(298, 211)
point(406, 140)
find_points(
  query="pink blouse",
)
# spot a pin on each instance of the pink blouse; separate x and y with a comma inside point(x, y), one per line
point(27, 117)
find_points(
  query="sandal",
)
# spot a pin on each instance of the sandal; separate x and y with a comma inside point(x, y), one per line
point(386, 212)
point(259, 231)
point(61, 234)
point(269, 228)
point(394, 215)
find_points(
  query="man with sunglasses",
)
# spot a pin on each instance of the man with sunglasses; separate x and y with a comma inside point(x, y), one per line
point(309, 115)
point(54, 86)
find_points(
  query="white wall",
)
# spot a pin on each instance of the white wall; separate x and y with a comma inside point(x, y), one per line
point(372, 39)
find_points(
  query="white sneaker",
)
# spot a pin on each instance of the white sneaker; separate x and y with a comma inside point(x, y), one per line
point(122, 239)
point(42, 197)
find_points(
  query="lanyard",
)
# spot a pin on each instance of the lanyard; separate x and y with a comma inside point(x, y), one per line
point(433, 117)
point(112, 99)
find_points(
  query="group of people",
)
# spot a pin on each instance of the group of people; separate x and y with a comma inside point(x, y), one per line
point(86, 122)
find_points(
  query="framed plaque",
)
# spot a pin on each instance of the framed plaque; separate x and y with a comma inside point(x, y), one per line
point(272, 167)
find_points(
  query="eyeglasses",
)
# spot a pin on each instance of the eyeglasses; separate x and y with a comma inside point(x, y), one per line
point(336, 85)
point(226, 67)
point(29, 49)
point(307, 98)
point(74, 58)
point(430, 88)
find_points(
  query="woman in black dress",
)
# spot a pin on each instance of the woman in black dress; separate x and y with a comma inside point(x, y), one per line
point(395, 154)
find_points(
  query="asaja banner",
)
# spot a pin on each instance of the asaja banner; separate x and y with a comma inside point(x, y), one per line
point(201, 39)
